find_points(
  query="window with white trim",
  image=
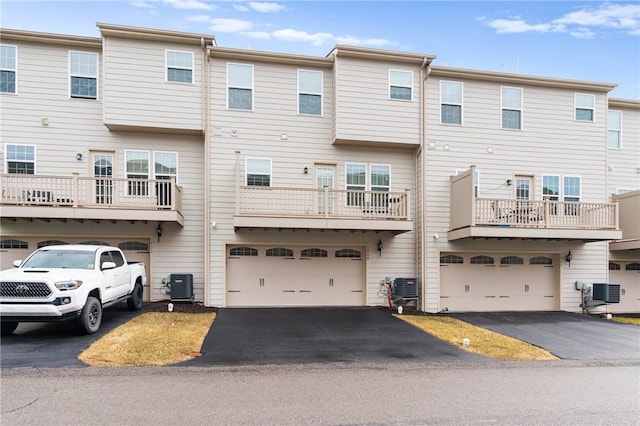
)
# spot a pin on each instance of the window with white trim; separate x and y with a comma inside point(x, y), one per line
point(137, 169)
point(401, 85)
point(258, 171)
point(565, 188)
point(451, 102)
point(179, 66)
point(240, 86)
point(511, 101)
point(8, 68)
point(614, 125)
point(585, 106)
point(356, 180)
point(165, 166)
point(310, 92)
point(83, 75)
point(20, 159)
point(360, 177)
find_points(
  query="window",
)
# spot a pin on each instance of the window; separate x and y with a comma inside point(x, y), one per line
point(360, 177)
point(614, 124)
point(356, 178)
point(94, 243)
point(279, 252)
point(165, 167)
point(400, 85)
point(313, 252)
point(240, 86)
point(585, 105)
point(14, 244)
point(348, 253)
point(243, 251)
point(451, 258)
point(614, 266)
point(20, 159)
point(83, 70)
point(541, 260)
point(511, 99)
point(511, 260)
point(258, 172)
point(310, 92)
point(482, 260)
point(569, 191)
point(8, 65)
point(133, 245)
point(52, 243)
point(179, 66)
point(450, 102)
point(137, 163)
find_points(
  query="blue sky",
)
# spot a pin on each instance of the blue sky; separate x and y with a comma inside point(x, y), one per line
point(582, 40)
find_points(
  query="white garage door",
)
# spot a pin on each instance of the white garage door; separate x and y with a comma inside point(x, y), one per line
point(627, 274)
point(498, 282)
point(290, 276)
point(13, 249)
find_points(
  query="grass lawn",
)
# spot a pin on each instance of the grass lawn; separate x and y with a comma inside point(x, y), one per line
point(627, 320)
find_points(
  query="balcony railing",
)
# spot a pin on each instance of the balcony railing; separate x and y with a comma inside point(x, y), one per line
point(322, 203)
point(90, 192)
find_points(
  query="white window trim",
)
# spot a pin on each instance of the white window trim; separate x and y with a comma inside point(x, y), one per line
point(520, 108)
point(561, 188)
point(253, 104)
point(166, 66)
point(126, 151)
point(152, 166)
point(366, 177)
point(15, 70)
point(396, 85)
point(617, 130)
point(7, 159)
point(246, 169)
point(448, 103)
point(371, 175)
point(575, 107)
point(84, 75)
point(300, 92)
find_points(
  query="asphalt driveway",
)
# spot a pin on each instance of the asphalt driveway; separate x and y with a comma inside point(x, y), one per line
point(566, 335)
point(311, 335)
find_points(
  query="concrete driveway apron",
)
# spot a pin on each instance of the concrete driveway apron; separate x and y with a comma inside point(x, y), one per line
point(316, 335)
point(566, 335)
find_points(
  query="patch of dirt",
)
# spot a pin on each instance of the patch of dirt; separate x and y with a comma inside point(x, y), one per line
point(185, 307)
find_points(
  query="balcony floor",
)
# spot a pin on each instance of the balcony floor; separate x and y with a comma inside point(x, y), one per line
point(511, 232)
point(281, 222)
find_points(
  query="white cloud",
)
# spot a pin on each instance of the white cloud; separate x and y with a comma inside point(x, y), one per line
point(240, 8)
point(517, 25)
point(266, 7)
point(584, 33)
point(317, 39)
point(142, 4)
point(198, 18)
point(262, 35)
point(222, 25)
point(188, 4)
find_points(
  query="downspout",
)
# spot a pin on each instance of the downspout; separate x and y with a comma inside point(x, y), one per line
point(206, 69)
point(421, 238)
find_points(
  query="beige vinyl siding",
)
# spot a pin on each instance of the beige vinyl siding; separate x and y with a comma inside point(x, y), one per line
point(364, 111)
point(624, 163)
point(308, 142)
point(138, 93)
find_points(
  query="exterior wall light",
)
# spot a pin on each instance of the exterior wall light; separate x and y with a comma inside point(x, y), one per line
point(159, 231)
point(568, 258)
point(379, 247)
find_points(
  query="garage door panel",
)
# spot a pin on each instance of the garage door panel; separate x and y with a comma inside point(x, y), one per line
point(629, 280)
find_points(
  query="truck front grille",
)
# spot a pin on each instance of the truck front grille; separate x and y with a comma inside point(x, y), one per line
point(24, 290)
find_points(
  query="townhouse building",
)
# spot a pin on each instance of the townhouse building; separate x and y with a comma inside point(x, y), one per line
point(288, 180)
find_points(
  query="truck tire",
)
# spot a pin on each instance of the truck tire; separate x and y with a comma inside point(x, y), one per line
point(8, 327)
point(91, 316)
point(134, 303)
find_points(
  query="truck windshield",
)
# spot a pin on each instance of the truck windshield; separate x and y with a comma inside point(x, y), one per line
point(73, 259)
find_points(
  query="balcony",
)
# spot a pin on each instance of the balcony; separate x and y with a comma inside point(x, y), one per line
point(629, 221)
point(473, 217)
point(89, 198)
point(322, 208)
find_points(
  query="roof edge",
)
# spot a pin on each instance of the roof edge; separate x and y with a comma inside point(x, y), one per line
point(380, 54)
point(138, 33)
point(272, 57)
point(7, 34)
point(624, 103)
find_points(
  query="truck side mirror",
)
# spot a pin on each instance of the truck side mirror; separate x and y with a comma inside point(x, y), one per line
point(108, 265)
point(17, 263)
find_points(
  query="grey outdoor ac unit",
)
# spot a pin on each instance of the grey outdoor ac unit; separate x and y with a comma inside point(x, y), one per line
point(407, 288)
point(181, 286)
point(608, 293)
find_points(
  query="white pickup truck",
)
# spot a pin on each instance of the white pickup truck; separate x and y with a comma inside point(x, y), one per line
point(69, 282)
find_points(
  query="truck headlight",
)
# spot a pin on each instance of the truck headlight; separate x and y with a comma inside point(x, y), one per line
point(68, 285)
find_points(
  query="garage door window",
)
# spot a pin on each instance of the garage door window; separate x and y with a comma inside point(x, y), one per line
point(52, 243)
point(633, 267)
point(614, 266)
point(482, 260)
point(133, 245)
point(243, 251)
point(350, 253)
point(451, 258)
point(314, 252)
point(14, 244)
point(279, 252)
point(512, 260)
point(94, 243)
point(541, 260)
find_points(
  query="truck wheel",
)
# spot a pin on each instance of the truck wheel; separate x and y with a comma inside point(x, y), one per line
point(9, 327)
point(91, 316)
point(134, 303)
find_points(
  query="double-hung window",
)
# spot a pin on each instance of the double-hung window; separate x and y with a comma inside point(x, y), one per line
point(363, 177)
point(565, 188)
point(240, 86)
point(179, 66)
point(258, 171)
point(450, 102)
point(380, 185)
point(165, 167)
point(356, 179)
point(137, 164)
point(585, 106)
point(20, 159)
point(83, 75)
point(8, 66)
point(511, 100)
point(401, 85)
point(614, 125)
point(310, 92)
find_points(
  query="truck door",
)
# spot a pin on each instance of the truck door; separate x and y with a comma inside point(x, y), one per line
point(122, 274)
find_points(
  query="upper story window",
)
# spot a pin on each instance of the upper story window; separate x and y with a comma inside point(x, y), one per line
point(450, 102)
point(511, 100)
point(20, 159)
point(614, 124)
point(310, 92)
point(179, 66)
point(585, 106)
point(83, 72)
point(401, 85)
point(258, 171)
point(240, 86)
point(8, 67)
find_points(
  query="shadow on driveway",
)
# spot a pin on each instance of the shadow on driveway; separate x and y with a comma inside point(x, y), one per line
point(311, 335)
point(566, 335)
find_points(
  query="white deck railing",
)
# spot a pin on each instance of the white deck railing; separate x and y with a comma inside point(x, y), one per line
point(545, 214)
point(76, 191)
point(322, 202)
